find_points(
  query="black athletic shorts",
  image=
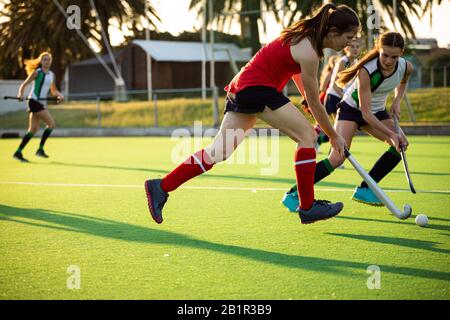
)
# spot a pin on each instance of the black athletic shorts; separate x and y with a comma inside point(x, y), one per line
point(255, 99)
point(331, 103)
point(346, 112)
point(35, 106)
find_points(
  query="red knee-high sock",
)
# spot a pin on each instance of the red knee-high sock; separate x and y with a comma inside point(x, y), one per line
point(195, 165)
point(305, 167)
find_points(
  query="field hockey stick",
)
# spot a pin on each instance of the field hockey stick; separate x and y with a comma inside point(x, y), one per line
point(41, 99)
point(403, 154)
point(378, 191)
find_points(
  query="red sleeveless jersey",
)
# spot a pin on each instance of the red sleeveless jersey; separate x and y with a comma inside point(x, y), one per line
point(271, 66)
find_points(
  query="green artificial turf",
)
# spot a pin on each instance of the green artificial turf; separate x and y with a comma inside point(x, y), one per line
point(225, 234)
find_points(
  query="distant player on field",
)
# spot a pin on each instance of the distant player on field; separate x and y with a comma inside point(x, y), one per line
point(334, 93)
point(42, 80)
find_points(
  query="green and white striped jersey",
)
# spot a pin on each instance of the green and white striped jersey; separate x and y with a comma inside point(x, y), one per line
point(41, 85)
point(380, 85)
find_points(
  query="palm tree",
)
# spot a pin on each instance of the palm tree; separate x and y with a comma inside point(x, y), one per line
point(249, 15)
point(404, 10)
point(301, 8)
point(25, 34)
point(34, 26)
point(126, 13)
point(428, 6)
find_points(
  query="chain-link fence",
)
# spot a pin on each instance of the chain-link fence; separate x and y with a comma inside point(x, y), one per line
point(175, 108)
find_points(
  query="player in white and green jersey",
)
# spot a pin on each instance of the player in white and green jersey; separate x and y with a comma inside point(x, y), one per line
point(363, 106)
point(42, 80)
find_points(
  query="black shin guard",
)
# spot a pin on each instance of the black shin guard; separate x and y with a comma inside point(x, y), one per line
point(323, 170)
point(45, 135)
point(323, 138)
point(25, 140)
point(385, 164)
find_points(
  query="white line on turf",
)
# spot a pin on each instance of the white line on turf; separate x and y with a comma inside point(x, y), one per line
point(134, 186)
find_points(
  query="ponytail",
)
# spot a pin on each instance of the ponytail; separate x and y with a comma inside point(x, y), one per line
point(323, 20)
point(328, 16)
point(348, 74)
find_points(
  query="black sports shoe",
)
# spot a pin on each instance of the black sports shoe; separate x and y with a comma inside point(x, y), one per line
point(156, 198)
point(19, 156)
point(41, 153)
point(320, 210)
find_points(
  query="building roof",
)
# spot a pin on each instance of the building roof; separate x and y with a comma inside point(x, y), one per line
point(178, 51)
point(183, 51)
point(94, 60)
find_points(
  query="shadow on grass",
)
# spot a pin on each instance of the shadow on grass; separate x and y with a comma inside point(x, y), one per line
point(440, 219)
point(402, 242)
point(429, 225)
point(70, 222)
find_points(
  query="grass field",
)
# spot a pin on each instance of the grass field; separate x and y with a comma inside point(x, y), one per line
point(225, 234)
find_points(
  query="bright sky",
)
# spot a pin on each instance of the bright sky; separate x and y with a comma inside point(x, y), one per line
point(175, 18)
point(440, 27)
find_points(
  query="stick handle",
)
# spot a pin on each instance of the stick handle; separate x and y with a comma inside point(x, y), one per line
point(10, 97)
point(406, 169)
point(403, 154)
point(41, 99)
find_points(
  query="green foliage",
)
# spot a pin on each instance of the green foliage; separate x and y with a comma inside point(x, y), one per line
point(34, 26)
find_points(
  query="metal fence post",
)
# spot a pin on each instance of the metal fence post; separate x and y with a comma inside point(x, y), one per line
point(216, 106)
point(445, 76)
point(155, 109)
point(432, 76)
point(99, 115)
